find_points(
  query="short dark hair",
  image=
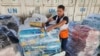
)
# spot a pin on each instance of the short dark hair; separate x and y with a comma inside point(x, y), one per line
point(62, 7)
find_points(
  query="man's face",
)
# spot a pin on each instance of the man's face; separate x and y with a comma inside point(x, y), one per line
point(60, 11)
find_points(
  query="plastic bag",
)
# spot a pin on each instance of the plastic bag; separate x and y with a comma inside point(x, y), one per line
point(93, 21)
point(12, 22)
point(35, 18)
point(7, 37)
point(94, 17)
point(4, 40)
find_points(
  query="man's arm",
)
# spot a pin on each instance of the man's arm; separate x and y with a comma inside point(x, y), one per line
point(64, 21)
point(56, 25)
point(60, 24)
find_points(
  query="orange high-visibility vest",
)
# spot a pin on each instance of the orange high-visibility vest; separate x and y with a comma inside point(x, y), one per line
point(64, 34)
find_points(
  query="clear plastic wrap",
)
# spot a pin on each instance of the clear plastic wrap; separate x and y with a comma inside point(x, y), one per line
point(94, 17)
point(92, 44)
point(72, 24)
point(33, 39)
point(82, 39)
point(8, 39)
point(93, 21)
point(12, 22)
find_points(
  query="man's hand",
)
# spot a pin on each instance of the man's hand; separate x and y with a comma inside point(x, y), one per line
point(50, 28)
point(43, 24)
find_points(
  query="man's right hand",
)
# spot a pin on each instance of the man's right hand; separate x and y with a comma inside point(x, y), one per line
point(43, 24)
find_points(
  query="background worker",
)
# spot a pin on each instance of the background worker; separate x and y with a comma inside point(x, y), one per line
point(61, 21)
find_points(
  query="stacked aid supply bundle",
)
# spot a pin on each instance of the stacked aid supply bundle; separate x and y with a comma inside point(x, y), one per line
point(76, 40)
point(8, 39)
point(93, 21)
point(92, 43)
point(34, 40)
point(8, 35)
point(84, 37)
point(83, 40)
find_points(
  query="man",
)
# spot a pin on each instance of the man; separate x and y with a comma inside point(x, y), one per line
point(61, 21)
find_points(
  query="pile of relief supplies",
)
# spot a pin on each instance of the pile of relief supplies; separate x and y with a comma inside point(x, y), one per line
point(35, 41)
point(8, 34)
point(84, 37)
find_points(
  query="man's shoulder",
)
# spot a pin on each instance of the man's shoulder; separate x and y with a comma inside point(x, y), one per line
point(65, 16)
point(66, 19)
